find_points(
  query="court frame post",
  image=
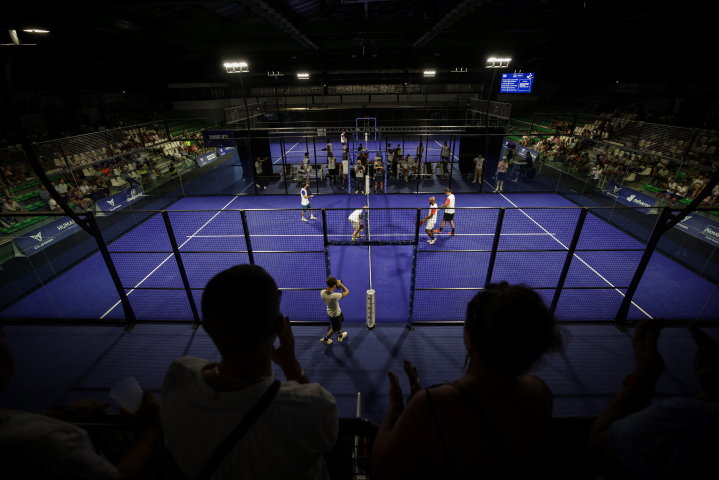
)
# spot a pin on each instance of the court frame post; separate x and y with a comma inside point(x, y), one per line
point(248, 242)
point(284, 164)
point(314, 151)
point(413, 276)
point(328, 267)
point(130, 317)
point(568, 260)
point(181, 267)
point(495, 245)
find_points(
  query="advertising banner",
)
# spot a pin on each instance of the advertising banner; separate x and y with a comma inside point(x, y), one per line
point(219, 138)
point(119, 200)
point(36, 240)
point(206, 159)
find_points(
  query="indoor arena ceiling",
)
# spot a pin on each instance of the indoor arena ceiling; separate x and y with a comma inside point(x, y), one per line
point(115, 41)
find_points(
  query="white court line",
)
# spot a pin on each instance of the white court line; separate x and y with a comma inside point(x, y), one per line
point(575, 255)
point(170, 256)
point(287, 151)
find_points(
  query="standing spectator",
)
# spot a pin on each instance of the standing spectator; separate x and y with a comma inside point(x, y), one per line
point(345, 172)
point(332, 298)
point(493, 418)
point(420, 151)
point(445, 151)
point(331, 169)
point(306, 165)
point(204, 402)
point(378, 174)
point(638, 436)
point(259, 174)
point(343, 140)
point(501, 173)
point(478, 167)
point(359, 175)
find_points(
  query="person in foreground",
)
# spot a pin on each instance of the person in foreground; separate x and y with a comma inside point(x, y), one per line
point(45, 445)
point(490, 420)
point(205, 402)
point(638, 436)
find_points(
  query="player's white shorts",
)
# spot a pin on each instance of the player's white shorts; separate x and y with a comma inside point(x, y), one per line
point(355, 225)
point(430, 224)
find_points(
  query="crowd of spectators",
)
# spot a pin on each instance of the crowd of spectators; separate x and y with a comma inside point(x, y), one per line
point(234, 419)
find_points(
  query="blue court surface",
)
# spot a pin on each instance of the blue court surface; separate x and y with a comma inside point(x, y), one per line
point(86, 290)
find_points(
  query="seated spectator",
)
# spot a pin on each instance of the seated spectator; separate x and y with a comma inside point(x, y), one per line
point(494, 417)
point(204, 401)
point(638, 436)
point(11, 206)
point(52, 205)
point(45, 445)
point(660, 174)
point(61, 188)
point(84, 188)
point(101, 190)
point(71, 194)
point(698, 188)
point(43, 194)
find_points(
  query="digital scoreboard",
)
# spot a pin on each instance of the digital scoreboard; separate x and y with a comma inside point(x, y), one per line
point(516, 83)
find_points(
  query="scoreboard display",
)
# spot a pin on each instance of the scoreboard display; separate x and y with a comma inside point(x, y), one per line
point(516, 83)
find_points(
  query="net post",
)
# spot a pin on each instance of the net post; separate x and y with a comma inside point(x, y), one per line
point(248, 242)
point(568, 260)
point(623, 311)
point(126, 306)
point(181, 266)
point(412, 286)
point(495, 245)
point(371, 310)
point(328, 269)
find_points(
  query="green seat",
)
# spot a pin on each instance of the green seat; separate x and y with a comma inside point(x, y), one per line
point(39, 219)
point(6, 231)
point(715, 213)
point(685, 201)
point(33, 194)
point(682, 175)
point(39, 204)
point(13, 229)
point(30, 208)
point(34, 220)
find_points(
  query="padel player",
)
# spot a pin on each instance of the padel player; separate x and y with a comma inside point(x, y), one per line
point(332, 299)
point(356, 220)
point(430, 220)
point(306, 205)
point(449, 213)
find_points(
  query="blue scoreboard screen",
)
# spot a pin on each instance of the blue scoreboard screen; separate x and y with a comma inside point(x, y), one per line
point(516, 83)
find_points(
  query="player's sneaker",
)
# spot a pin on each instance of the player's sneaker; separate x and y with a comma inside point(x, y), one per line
point(452, 232)
point(265, 187)
point(313, 218)
point(304, 219)
point(431, 242)
point(438, 231)
point(326, 341)
point(341, 337)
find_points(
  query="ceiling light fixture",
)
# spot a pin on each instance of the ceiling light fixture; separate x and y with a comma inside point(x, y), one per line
point(303, 76)
point(428, 73)
point(498, 62)
point(237, 67)
point(34, 30)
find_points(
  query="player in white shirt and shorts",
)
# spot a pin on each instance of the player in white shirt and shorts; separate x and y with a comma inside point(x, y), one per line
point(449, 212)
point(331, 165)
point(430, 220)
point(306, 165)
point(356, 221)
point(306, 205)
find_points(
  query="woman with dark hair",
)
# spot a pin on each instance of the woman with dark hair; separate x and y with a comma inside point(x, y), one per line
point(490, 421)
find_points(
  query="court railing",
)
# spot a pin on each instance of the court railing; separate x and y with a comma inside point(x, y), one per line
point(160, 261)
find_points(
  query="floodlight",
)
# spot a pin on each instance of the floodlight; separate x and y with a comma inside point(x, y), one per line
point(498, 62)
point(429, 74)
point(33, 30)
point(303, 76)
point(238, 67)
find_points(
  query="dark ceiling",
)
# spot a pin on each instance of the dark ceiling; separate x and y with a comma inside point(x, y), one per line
point(143, 43)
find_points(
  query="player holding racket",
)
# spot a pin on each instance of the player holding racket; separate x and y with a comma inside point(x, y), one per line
point(356, 221)
point(430, 219)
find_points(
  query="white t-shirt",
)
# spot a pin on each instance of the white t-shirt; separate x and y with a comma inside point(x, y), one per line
point(305, 201)
point(306, 161)
point(450, 204)
point(34, 442)
point(682, 190)
point(343, 139)
point(345, 167)
point(61, 188)
point(333, 302)
point(671, 438)
point(330, 163)
point(286, 441)
point(355, 216)
point(445, 150)
point(359, 170)
point(377, 158)
point(430, 221)
point(479, 162)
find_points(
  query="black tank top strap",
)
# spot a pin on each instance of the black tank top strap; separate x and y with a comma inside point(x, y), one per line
point(448, 457)
point(493, 438)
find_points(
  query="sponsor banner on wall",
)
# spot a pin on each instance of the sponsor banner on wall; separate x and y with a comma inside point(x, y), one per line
point(221, 152)
point(36, 240)
point(522, 152)
point(206, 159)
point(696, 225)
point(119, 200)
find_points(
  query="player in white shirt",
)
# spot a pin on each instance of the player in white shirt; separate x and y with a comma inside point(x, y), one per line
point(345, 172)
point(430, 220)
point(329, 149)
point(449, 212)
point(306, 205)
point(356, 221)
